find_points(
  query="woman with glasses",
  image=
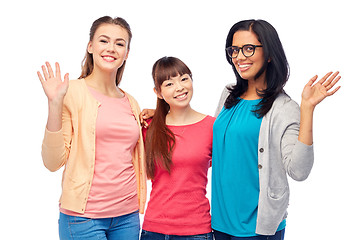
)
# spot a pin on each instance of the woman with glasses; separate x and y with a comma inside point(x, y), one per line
point(260, 135)
point(93, 130)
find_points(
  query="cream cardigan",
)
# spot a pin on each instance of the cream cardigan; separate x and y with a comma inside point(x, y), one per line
point(74, 147)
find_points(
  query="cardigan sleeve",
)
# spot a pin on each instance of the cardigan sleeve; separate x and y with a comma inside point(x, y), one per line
point(56, 145)
point(298, 158)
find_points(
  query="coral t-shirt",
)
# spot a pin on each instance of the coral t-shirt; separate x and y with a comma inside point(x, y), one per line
point(178, 203)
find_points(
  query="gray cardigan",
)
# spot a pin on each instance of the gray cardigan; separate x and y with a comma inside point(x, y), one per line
point(280, 152)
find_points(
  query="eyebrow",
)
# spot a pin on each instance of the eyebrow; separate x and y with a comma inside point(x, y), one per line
point(245, 45)
point(118, 39)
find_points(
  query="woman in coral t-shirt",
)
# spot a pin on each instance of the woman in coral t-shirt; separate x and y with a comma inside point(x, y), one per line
point(178, 148)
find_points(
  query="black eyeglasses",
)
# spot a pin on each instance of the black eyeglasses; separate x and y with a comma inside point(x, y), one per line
point(247, 50)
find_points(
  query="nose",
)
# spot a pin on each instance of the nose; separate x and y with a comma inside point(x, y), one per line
point(240, 57)
point(110, 47)
point(179, 86)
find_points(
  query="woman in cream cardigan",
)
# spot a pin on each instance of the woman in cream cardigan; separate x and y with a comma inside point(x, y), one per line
point(93, 130)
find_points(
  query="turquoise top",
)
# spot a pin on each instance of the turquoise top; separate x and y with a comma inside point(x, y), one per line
point(235, 174)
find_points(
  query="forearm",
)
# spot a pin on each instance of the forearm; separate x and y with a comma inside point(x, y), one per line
point(54, 122)
point(306, 123)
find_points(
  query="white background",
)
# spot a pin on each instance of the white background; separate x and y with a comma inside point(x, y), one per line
point(318, 36)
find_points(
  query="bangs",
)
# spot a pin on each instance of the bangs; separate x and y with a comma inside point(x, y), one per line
point(168, 67)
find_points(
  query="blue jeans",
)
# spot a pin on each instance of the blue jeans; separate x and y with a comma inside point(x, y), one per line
point(279, 235)
point(125, 227)
point(146, 235)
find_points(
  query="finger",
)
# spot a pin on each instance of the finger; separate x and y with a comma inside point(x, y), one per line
point(141, 116)
point(51, 73)
point(322, 80)
point(332, 92)
point(40, 77)
point(57, 70)
point(66, 79)
point(45, 72)
point(332, 83)
point(332, 77)
point(312, 80)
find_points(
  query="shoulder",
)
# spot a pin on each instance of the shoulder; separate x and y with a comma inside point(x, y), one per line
point(284, 102)
point(285, 109)
point(202, 118)
point(224, 95)
point(132, 100)
point(133, 103)
point(207, 121)
point(226, 90)
point(210, 119)
point(76, 86)
point(76, 90)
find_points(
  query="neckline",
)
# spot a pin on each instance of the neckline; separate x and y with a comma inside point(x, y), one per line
point(89, 87)
point(190, 124)
point(95, 91)
point(258, 99)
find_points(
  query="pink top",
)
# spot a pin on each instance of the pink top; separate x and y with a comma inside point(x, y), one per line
point(178, 205)
point(113, 191)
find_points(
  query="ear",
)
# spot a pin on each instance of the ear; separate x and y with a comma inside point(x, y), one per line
point(269, 60)
point(89, 47)
point(158, 94)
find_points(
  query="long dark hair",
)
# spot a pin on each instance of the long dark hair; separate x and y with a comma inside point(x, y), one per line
point(160, 140)
point(87, 65)
point(277, 69)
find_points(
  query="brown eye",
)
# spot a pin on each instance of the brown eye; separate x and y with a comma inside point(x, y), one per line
point(248, 49)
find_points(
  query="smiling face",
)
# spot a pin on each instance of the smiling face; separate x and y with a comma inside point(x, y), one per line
point(109, 47)
point(248, 67)
point(177, 91)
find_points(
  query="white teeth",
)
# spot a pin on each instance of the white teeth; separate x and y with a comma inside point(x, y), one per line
point(181, 96)
point(245, 65)
point(109, 58)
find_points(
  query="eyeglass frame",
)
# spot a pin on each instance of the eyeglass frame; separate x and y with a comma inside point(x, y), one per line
point(242, 51)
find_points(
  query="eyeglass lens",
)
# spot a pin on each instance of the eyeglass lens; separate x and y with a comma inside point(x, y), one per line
point(247, 50)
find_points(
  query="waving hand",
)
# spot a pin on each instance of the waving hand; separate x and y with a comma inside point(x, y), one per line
point(313, 94)
point(54, 88)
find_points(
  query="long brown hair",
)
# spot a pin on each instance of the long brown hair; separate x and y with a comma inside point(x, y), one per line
point(87, 65)
point(160, 140)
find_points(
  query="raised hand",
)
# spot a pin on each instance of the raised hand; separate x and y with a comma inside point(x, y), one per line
point(313, 94)
point(54, 88)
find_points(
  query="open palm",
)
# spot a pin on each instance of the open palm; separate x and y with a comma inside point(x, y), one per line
point(315, 93)
point(54, 88)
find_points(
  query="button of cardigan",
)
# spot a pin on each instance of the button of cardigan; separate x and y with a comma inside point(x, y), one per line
point(261, 150)
point(260, 166)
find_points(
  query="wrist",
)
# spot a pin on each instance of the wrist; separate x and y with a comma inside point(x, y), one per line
point(55, 103)
point(307, 106)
